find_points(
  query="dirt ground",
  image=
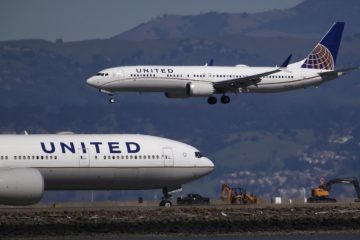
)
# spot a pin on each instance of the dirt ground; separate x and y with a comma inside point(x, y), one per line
point(217, 219)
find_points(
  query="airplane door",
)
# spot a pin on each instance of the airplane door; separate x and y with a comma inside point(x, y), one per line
point(210, 76)
point(84, 157)
point(168, 157)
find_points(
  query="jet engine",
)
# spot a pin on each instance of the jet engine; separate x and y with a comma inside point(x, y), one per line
point(20, 186)
point(193, 89)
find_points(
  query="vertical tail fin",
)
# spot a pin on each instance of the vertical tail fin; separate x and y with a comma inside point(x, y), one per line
point(324, 55)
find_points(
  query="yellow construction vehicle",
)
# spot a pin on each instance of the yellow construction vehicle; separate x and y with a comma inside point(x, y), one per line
point(321, 193)
point(237, 195)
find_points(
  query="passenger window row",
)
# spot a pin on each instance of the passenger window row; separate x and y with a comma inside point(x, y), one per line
point(203, 76)
point(229, 76)
point(282, 76)
point(122, 157)
point(37, 157)
point(174, 75)
point(142, 75)
point(50, 157)
point(242, 76)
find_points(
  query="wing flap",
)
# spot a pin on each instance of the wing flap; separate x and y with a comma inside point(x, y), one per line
point(249, 80)
point(244, 81)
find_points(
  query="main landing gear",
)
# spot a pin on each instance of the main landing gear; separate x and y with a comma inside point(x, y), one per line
point(212, 100)
point(224, 100)
point(165, 202)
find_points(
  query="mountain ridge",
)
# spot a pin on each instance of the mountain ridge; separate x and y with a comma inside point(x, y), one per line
point(214, 24)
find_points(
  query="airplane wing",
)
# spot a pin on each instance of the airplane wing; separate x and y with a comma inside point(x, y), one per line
point(243, 81)
point(249, 80)
point(337, 72)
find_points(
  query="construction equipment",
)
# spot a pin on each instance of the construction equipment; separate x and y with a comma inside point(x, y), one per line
point(237, 195)
point(321, 193)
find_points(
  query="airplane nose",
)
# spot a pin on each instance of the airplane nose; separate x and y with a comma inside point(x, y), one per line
point(209, 164)
point(92, 81)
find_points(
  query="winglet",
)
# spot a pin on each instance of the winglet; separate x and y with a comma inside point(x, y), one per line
point(210, 63)
point(286, 63)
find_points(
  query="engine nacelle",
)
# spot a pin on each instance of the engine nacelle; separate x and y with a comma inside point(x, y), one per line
point(193, 89)
point(20, 186)
point(200, 89)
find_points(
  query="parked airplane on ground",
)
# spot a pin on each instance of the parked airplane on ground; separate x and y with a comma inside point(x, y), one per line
point(30, 164)
point(205, 81)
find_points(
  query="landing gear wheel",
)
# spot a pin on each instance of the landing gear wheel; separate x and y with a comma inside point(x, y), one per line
point(225, 99)
point(111, 100)
point(165, 203)
point(212, 100)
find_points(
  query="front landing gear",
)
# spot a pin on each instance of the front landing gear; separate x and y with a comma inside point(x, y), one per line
point(110, 94)
point(111, 99)
point(165, 202)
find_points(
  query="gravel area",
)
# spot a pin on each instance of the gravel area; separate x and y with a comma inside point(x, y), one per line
point(17, 222)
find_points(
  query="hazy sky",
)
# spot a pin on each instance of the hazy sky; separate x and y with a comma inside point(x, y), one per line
point(89, 19)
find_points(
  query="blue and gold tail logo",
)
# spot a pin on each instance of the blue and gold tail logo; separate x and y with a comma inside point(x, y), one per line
point(323, 56)
point(319, 58)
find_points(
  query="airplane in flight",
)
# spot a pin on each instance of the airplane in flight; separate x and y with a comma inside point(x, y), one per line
point(206, 81)
point(32, 164)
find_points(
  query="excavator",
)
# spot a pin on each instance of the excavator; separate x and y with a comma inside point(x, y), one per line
point(237, 195)
point(321, 193)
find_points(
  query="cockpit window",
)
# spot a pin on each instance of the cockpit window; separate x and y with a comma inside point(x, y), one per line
point(102, 74)
point(198, 155)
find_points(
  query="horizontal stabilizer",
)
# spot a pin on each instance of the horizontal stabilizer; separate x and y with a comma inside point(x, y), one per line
point(338, 72)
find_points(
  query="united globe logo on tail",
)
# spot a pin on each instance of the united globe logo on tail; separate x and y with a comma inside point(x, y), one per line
point(323, 56)
point(319, 58)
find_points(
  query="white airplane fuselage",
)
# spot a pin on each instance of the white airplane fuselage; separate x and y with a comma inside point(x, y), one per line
point(95, 162)
point(173, 79)
point(205, 81)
